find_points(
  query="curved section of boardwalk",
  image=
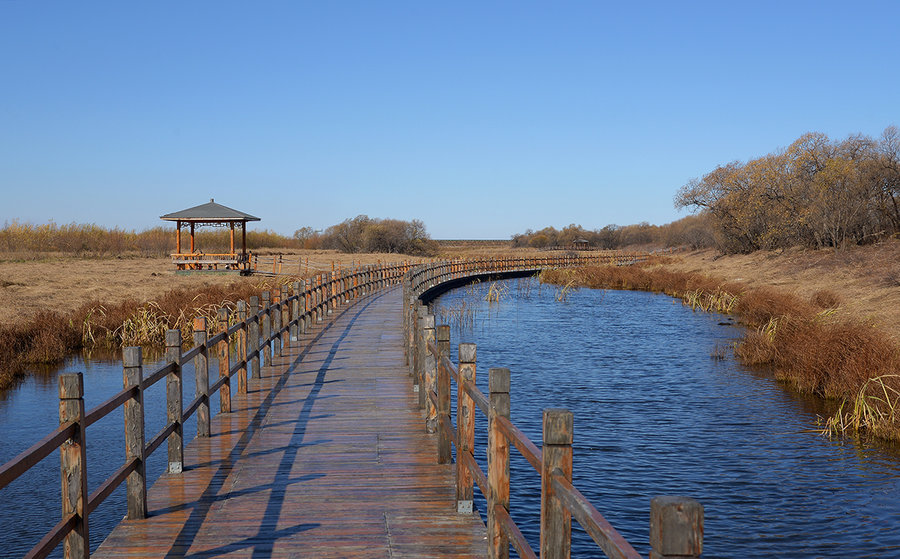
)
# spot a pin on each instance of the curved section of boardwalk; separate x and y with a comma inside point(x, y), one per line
point(326, 457)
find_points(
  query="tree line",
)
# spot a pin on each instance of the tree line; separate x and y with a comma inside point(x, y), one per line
point(692, 231)
point(360, 234)
point(817, 193)
point(367, 234)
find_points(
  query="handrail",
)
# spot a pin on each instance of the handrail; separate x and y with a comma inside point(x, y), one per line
point(526, 448)
point(610, 541)
point(54, 537)
point(312, 299)
point(429, 362)
point(37, 452)
point(104, 408)
point(512, 531)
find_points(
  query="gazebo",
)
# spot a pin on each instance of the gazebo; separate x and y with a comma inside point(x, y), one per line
point(581, 244)
point(215, 215)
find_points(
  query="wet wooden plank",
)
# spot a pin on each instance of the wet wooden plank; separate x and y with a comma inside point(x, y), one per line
point(327, 456)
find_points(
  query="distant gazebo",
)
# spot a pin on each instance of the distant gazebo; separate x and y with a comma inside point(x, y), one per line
point(581, 244)
point(215, 215)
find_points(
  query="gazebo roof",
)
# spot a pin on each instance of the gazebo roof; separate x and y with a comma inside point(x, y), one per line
point(209, 213)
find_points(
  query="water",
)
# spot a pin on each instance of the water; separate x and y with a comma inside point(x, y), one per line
point(32, 505)
point(655, 414)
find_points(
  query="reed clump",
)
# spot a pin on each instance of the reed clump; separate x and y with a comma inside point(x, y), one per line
point(806, 343)
point(49, 336)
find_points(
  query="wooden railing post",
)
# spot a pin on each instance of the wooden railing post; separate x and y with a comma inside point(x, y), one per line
point(295, 311)
point(419, 387)
point(304, 308)
point(330, 294)
point(266, 319)
point(498, 463)
point(174, 401)
point(556, 521)
point(73, 467)
point(465, 424)
point(136, 482)
point(430, 375)
point(676, 528)
point(223, 356)
point(201, 374)
point(443, 393)
point(241, 347)
point(320, 299)
point(254, 337)
point(276, 322)
point(411, 306)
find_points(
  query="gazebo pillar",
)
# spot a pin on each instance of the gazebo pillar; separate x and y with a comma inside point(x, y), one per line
point(244, 245)
point(177, 237)
point(231, 226)
point(192, 237)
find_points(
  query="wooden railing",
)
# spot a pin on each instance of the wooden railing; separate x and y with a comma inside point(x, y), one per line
point(676, 523)
point(197, 260)
point(258, 334)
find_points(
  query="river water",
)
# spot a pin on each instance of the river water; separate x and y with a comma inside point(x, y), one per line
point(32, 505)
point(656, 412)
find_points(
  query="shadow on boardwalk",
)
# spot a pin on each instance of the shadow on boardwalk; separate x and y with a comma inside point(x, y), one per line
point(326, 457)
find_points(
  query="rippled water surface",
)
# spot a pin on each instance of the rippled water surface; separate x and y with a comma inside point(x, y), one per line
point(655, 414)
point(31, 505)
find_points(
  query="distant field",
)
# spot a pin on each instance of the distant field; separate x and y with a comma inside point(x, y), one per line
point(471, 243)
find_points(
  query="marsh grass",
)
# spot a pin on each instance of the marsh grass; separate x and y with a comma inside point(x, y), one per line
point(806, 343)
point(873, 409)
point(460, 315)
point(496, 292)
point(719, 352)
point(34, 240)
point(49, 336)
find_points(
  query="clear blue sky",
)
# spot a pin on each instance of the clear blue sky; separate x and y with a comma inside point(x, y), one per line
point(480, 118)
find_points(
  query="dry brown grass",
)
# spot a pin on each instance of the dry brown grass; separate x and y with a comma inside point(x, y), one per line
point(807, 342)
point(58, 304)
point(864, 280)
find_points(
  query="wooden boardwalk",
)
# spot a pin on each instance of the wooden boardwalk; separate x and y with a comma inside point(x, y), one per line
point(326, 457)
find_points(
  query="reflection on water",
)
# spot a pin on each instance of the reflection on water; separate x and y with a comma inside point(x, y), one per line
point(31, 505)
point(655, 414)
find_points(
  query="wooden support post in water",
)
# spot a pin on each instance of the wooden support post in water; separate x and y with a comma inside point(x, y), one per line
point(430, 375)
point(201, 374)
point(465, 424)
point(254, 337)
point(443, 393)
point(174, 401)
point(556, 521)
point(136, 482)
point(266, 319)
point(676, 528)
point(498, 463)
point(73, 467)
point(222, 354)
point(241, 347)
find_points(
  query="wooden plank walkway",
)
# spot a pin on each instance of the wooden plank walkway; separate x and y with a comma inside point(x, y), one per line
point(326, 457)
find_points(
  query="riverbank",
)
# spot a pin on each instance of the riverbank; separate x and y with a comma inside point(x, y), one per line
point(807, 319)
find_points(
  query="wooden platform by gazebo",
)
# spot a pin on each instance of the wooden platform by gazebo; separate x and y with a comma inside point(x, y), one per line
point(215, 215)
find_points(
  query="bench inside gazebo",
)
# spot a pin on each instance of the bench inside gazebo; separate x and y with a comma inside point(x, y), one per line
point(215, 215)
